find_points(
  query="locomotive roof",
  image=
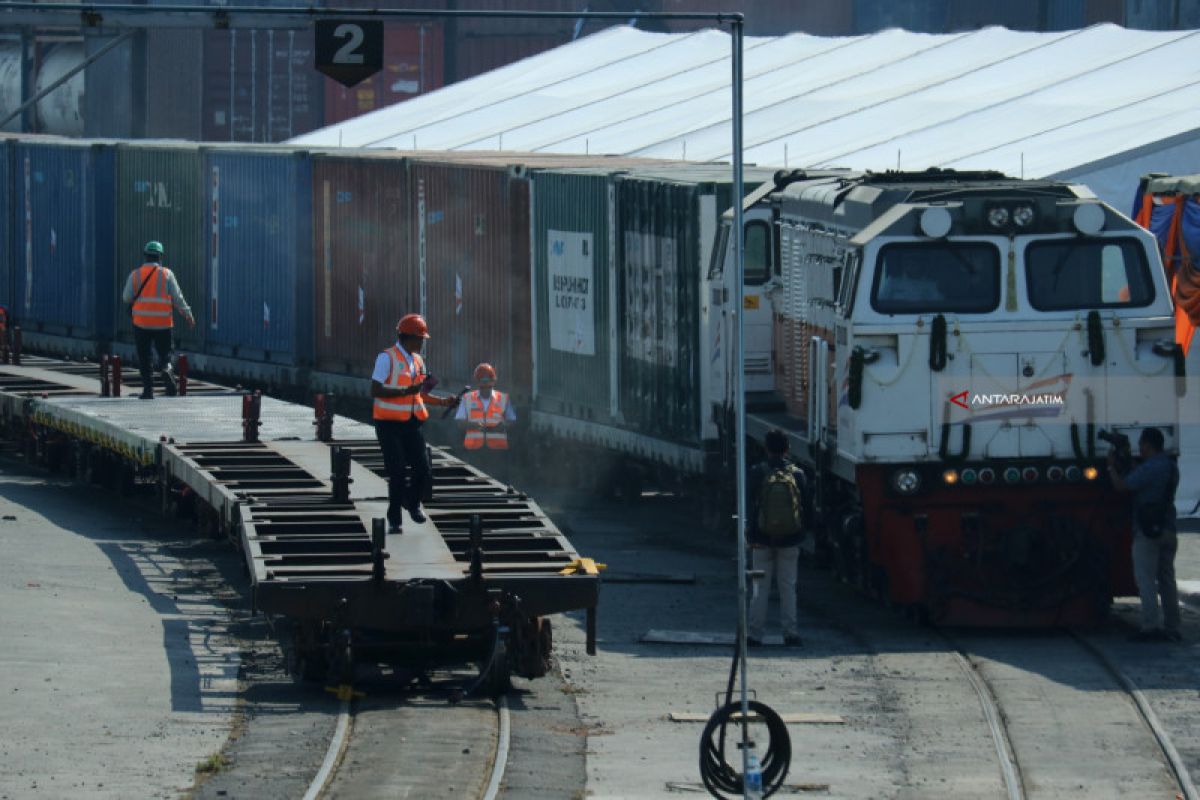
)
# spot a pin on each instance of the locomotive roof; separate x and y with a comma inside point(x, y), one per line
point(855, 199)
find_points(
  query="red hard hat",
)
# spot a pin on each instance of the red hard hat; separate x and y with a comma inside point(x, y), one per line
point(485, 370)
point(413, 325)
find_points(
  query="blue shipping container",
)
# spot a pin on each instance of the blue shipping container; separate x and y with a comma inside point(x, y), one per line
point(64, 234)
point(259, 255)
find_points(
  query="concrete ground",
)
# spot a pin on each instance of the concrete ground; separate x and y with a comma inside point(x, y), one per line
point(881, 707)
point(117, 673)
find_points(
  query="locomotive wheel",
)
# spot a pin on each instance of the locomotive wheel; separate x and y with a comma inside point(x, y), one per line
point(304, 656)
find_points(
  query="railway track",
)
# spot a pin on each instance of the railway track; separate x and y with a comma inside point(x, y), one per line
point(417, 745)
point(1039, 721)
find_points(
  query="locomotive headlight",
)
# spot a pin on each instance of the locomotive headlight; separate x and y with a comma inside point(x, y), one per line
point(997, 216)
point(1012, 475)
point(1029, 474)
point(906, 481)
point(987, 476)
point(950, 477)
point(969, 476)
point(1090, 473)
point(1055, 473)
point(1022, 216)
point(1073, 474)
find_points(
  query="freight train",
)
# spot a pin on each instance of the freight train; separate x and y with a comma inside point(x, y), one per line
point(602, 290)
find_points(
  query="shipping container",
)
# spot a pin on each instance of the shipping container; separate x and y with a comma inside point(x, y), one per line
point(1018, 15)
point(770, 17)
point(64, 258)
point(472, 55)
point(8, 287)
point(364, 277)
point(174, 84)
point(473, 255)
point(1154, 15)
point(260, 86)
point(573, 249)
point(160, 196)
point(412, 66)
point(1065, 15)
point(922, 16)
point(259, 255)
point(1097, 11)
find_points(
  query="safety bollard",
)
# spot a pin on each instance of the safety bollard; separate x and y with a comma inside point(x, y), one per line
point(105, 385)
point(339, 478)
point(183, 375)
point(251, 409)
point(115, 363)
point(323, 416)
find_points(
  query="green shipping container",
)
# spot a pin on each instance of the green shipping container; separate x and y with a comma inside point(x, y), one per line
point(572, 250)
point(160, 197)
point(667, 219)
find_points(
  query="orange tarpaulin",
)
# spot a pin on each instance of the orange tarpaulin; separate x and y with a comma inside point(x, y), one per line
point(1182, 272)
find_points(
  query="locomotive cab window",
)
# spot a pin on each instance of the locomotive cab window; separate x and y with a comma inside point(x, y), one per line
point(758, 253)
point(919, 277)
point(1066, 274)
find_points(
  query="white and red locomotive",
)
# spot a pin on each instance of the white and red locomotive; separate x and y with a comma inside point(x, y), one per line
point(945, 350)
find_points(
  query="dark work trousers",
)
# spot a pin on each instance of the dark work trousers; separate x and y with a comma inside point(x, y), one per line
point(403, 446)
point(145, 339)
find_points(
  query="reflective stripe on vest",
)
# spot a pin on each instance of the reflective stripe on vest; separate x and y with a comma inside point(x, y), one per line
point(153, 307)
point(494, 436)
point(400, 376)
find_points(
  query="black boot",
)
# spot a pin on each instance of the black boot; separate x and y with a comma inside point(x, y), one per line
point(147, 385)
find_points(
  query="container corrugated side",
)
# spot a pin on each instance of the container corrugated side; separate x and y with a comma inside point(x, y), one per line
point(658, 306)
point(364, 280)
point(259, 85)
point(259, 255)
point(476, 274)
point(922, 16)
point(64, 258)
point(8, 287)
point(573, 224)
point(160, 196)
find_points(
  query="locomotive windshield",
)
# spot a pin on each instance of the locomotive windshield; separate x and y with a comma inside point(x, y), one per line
point(1068, 274)
point(918, 277)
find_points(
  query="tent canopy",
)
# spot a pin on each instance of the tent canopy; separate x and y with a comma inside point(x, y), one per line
point(1032, 104)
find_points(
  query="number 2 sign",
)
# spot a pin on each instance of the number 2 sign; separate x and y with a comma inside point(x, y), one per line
point(349, 51)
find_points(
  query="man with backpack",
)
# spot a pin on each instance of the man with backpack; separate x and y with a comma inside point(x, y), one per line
point(778, 508)
point(1153, 483)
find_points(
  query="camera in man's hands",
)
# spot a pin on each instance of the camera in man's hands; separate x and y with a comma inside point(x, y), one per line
point(1121, 448)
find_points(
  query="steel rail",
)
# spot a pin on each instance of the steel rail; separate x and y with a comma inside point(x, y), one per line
point(503, 741)
point(1182, 777)
point(333, 756)
point(1010, 770)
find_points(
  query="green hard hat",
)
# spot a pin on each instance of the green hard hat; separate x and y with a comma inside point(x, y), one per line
point(153, 247)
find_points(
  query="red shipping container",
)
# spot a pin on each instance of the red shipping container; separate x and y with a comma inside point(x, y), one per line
point(473, 251)
point(412, 56)
point(363, 280)
point(475, 55)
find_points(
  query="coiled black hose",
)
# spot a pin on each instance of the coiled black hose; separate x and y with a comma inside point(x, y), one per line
point(719, 776)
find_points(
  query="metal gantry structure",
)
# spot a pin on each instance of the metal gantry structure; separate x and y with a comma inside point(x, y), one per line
point(121, 18)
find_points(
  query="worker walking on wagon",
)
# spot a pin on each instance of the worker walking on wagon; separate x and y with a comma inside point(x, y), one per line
point(401, 388)
point(778, 509)
point(154, 295)
point(485, 415)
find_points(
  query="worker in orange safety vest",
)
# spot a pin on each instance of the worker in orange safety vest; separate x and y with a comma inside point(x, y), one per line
point(485, 417)
point(401, 389)
point(154, 295)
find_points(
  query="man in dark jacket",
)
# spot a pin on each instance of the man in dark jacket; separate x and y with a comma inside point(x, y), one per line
point(777, 508)
point(1153, 483)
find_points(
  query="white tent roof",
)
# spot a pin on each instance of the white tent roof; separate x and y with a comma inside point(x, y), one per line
point(1033, 104)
